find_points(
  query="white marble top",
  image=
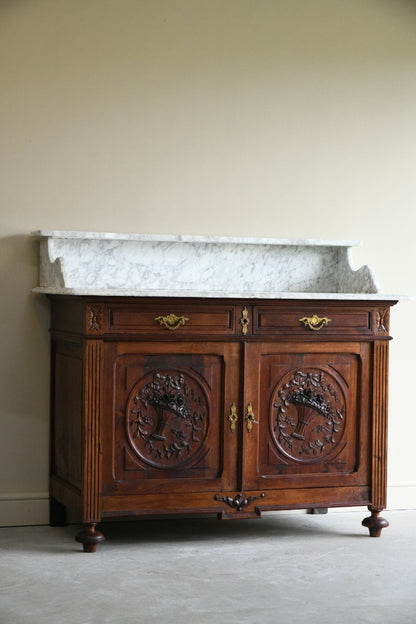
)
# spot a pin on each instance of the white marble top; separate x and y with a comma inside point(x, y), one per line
point(96, 263)
point(183, 238)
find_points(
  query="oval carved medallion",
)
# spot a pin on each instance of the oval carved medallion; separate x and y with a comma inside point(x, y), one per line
point(167, 418)
point(308, 415)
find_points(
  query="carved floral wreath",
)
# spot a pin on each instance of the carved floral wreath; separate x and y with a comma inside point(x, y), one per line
point(312, 391)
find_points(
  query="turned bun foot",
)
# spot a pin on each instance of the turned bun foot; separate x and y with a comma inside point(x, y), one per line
point(89, 538)
point(375, 523)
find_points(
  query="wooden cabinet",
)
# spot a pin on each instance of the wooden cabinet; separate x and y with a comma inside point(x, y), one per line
point(233, 407)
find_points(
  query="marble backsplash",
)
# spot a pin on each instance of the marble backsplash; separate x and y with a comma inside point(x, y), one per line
point(92, 263)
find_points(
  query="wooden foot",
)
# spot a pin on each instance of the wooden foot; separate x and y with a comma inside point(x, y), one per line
point(375, 523)
point(89, 538)
point(57, 513)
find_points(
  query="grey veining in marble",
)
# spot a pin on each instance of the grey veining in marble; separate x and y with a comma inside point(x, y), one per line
point(92, 263)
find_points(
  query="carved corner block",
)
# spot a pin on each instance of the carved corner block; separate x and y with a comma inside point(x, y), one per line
point(94, 319)
point(381, 321)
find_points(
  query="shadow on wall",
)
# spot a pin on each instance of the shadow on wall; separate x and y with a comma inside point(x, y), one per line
point(24, 324)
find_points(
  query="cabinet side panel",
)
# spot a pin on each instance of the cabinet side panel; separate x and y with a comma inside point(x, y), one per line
point(66, 414)
point(379, 444)
point(92, 444)
point(67, 314)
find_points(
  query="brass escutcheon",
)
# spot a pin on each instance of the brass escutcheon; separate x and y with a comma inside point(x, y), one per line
point(171, 321)
point(233, 417)
point(315, 322)
point(244, 321)
point(250, 418)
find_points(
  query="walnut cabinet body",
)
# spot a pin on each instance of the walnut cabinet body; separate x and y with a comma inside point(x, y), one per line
point(234, 407)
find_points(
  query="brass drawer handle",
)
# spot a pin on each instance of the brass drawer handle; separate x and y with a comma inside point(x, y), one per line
point(315, 322)
point(171, 321)
point(250, 418)
point(233, 417)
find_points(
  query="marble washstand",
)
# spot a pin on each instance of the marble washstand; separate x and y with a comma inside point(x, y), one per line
point(228, 376)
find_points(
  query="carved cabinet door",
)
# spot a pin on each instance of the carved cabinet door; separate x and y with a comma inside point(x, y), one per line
point(165, 415)
point(307, 415)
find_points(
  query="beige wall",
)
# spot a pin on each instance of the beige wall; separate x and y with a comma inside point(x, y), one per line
point(285, 118)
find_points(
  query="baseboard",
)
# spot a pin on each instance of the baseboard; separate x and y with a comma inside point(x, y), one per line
point(30, 508)
point(24, 509)
point(401, 496)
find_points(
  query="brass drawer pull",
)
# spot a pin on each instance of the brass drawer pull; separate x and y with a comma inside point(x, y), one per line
point(171, 321)
point(233, 418)
point(315, 322)
point(250, 418)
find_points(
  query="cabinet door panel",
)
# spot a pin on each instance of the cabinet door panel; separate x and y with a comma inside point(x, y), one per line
point(167, 428)
point(312, 416)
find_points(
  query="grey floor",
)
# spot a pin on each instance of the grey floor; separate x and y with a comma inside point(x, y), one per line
point(286, 568)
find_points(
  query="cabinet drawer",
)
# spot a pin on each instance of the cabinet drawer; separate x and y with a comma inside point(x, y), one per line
point(311, 320)
point(172, 319)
